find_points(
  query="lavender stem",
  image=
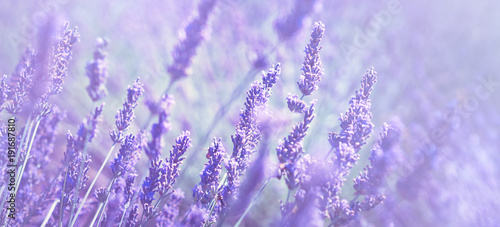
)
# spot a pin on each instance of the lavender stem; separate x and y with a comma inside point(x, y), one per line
point(92, 184)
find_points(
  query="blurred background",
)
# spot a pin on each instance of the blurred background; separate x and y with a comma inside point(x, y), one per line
point(437, 76)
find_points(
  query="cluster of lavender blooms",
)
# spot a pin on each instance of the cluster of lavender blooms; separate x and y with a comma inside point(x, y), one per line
point(158, 200)
point(69, 174)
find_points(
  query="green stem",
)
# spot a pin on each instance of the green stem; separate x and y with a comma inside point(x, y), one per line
point(78, 183)
point(329, 152)
point(27, 130)
point(62, 197)
point(286, 204)
point(30, 144)
point(92, 184)
point(124, 213)
point(252, 203)
point(134, 197)
point(211, 206)
point(102, 206)
point(49, 214)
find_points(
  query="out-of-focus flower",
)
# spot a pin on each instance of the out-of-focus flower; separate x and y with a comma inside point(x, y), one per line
point(197, 217)
point(159, 129)
point(293, 22)
point(97, 71)
point(171, 209)
point(63, 49)
point(382, 160)
point(186, 49)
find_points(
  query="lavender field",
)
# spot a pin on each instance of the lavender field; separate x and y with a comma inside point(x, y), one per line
point(249, 113)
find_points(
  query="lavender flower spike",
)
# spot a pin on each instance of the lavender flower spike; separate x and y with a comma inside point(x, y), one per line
point(356, 127)
point(126, 115)
point(186, 49)
point(356, 124)
point(127, 156)
point(295, 104)
point(97, 71)
point(171, 209)
point(382, 160)
point(182, 143)
point(207, 188)
point(162, 176)
point(248, 135)
point(61, 56)
point(290, 150)
point(312, 70)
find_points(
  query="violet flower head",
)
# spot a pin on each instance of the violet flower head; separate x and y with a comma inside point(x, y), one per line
point(101, 194)
point(21, 83)
point(293, 22)
point(97, 71)
point(162, 176)
point(159, 129)
point(151, 183)
point(76, 169)
point(129, 188)
point(248, 135)
point(132, 217)
point(356, 124)
point(247, 130)
point(127, 156)
point(186, 49)
point(88, 128)
point(290, 150)
point(163, 105)
point(206, 190)
point(63, 49)
point(230, 190)
point(295, 104)
point(308, 172)
point(182, 143)
point(126, 115)
point(312, 69)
